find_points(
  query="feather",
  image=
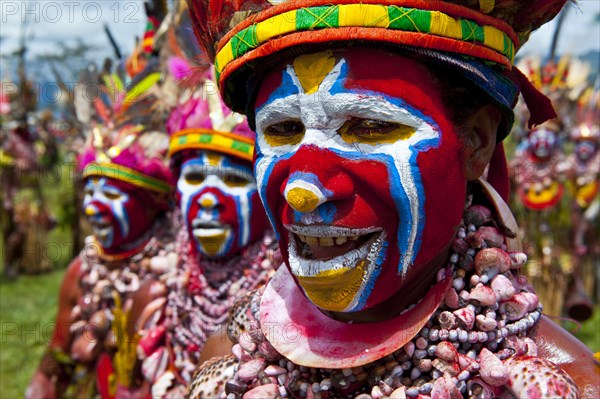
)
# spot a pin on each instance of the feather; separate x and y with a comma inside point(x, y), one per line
point(179, 68)
point(102, 110)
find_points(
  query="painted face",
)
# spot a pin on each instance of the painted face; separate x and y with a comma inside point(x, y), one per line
point(118, 212)
point(585, 149)
point(361, 174)
point(220, 203)
point(542, 142)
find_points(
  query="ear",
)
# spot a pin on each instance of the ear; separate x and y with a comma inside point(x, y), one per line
point(481, 128)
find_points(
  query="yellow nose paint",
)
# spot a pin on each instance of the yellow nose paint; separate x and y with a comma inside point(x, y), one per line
point(90, 210)
point(302, 200)
point(207, 202)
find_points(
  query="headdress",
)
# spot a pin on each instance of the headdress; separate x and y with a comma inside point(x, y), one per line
point(588, 115)
point(156, 11)
point(127, 139)
point(477, 39)
point(201, 121)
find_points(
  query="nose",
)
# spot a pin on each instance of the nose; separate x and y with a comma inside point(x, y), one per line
point(303, 196)
point(208, 201)
point(90, 210)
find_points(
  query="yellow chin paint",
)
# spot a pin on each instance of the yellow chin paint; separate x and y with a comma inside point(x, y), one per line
point(211, 245)
point(334, 290)
point(543, 196)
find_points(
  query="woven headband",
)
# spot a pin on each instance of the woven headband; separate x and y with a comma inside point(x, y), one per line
point(206, 139)
point(127, 175)
point(433, 25)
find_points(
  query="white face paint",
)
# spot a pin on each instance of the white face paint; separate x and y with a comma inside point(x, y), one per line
point(104, 204)
point(216, 201)
point(323, 113)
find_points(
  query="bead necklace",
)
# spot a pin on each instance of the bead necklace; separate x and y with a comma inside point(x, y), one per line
point(99, 281)
point(483, 320)
point(201, 294)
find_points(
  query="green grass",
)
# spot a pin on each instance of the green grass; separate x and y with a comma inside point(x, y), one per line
point(27, 311)
point(28, 305)
point(589, 333)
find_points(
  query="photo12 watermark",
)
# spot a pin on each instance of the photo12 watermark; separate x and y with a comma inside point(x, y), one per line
point(69, 12)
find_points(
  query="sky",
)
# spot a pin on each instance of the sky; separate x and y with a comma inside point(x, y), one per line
point(49, 22)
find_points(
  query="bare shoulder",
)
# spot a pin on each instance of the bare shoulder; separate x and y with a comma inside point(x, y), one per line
point(69, 290)
point(561, 348)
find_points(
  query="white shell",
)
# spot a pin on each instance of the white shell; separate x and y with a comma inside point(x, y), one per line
point(155, 364)
point(160, 387)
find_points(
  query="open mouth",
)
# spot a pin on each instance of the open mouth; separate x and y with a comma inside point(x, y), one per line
point(101, 228)
point(211, 235)
point(318, 249)
point(334, 264)
point(208, 228)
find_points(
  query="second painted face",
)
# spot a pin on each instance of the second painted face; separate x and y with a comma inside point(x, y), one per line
point(220, 204)
point(361, 173)
point(118, 212)
point(542, 143)
point(585, 149)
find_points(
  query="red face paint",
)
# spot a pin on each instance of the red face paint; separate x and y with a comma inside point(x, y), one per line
point(120, 213)
point(219, 202)
point(366, 157)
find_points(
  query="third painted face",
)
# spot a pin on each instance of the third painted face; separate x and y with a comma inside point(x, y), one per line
point(360, 171)
point(220, 204)
point(585, 149)
point(542, 142)
point(118, 212)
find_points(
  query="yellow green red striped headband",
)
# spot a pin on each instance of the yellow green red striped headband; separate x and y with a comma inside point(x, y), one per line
point(434, 25)
point(206, 139)
point(128, 175)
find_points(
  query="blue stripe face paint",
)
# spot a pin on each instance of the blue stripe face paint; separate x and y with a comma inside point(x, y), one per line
point(104, 204)
point(340, 169)
point(218, 197)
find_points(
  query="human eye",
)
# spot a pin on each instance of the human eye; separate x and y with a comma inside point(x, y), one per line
point(289, 132)
point(374, 131)
point(195, 177)
point(112, 195)
point(235, 180)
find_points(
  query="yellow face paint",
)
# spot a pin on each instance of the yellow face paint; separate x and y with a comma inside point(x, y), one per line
point(214, 159)
point(301, 199)
point(311, 69)
point(207, 202)
point(212, 244)
point(334, 289)
point(234, 181)
point(367, 132)
point(276, 141)
point(545, 195)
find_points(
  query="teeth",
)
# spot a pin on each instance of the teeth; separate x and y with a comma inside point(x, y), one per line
point(312, 240)
point(325, 241)
point(205, 224)
point(340, 240)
